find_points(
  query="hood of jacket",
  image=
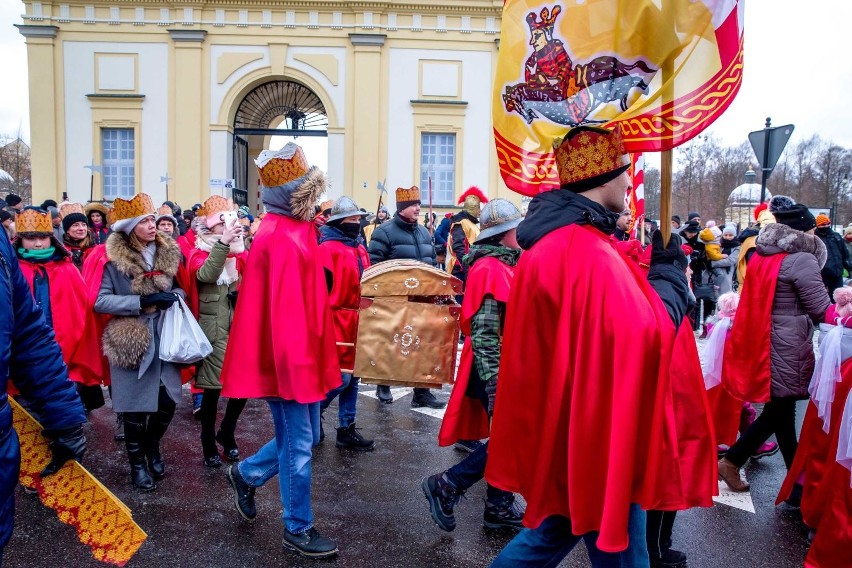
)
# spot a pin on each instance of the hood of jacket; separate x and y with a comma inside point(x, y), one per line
point(297, 198)
point(551, 210)
point(777, 238)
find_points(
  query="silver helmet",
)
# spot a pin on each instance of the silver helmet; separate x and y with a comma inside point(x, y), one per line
point(344, 207)
point(498, 216)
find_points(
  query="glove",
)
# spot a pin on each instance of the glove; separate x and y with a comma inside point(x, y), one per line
point(67, 444)
point(491, 391)
point(671, 254)
point(162, 300)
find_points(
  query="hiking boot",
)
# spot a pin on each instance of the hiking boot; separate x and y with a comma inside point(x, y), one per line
point(384, 394)
point(670, 559)
point(468, 446)
point(504, 514)
point(424, 397)
point(119, 427)
point(230, 451)
point(213, 461)
point(243, 494)
point(765, 450)
point(442, 497)
point(730, 474)
point(310, 544)
point(350, 438)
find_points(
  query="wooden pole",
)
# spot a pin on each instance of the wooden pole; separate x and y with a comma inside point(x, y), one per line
point(666, 194)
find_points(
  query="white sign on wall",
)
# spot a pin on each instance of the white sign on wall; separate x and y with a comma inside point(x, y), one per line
point(221, 186)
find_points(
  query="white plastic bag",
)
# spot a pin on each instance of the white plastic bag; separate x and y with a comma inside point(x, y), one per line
point(181, 340)
point(714, 353)
point(827, 375)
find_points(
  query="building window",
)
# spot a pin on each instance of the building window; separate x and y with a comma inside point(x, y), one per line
point(438, 161)
point(119, 162)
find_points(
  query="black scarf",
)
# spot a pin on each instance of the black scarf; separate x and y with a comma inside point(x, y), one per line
point(559, 208)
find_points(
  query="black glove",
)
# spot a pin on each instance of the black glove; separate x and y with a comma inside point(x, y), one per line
point(491, 391)
point(67, 444)
point(162, 300)
point(672, 254)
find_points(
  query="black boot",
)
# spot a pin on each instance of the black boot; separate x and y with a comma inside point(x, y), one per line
point(119, 427)
point(158, 423)
point(134, 434)
point(658, 530)
point(384, 394)
point(208, 426)
point(225, 435)
point(350, 438)
point(424, 397)
point(503, 513)
point(442, 497)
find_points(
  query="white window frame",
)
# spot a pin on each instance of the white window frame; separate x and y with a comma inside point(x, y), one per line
point(438, 152)
point(118, 157)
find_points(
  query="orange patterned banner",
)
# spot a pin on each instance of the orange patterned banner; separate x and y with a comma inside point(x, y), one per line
point(103, 522)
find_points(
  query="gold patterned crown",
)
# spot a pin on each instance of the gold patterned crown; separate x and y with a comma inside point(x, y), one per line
point(33, 221)
point(410, 194)
point(215, 205)
point(165, 210)
point(281, 167)
point(328, 204)
point(587, 153)
point(141, 204)
point(67, 208)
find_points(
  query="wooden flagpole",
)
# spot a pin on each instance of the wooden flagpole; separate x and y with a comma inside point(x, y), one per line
point(667, 160)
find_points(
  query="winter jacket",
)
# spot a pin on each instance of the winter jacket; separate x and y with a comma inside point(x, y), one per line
point(726, 268)
point(31, 358)
point(838, 258)
point(399, 239)
point(800, 302)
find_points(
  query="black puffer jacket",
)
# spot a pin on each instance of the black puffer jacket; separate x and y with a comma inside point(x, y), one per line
point(399, 239)
point(838, 256)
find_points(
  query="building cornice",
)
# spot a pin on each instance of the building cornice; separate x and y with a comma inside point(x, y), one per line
point(373, 40)
point(33, 31)
point(193, 36)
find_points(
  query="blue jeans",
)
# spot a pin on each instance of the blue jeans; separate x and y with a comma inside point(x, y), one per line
point(550, 543)
point(348, 393)
point(296, 432)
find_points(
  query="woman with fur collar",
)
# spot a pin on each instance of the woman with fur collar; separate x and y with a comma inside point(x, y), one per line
point(769, 356)
point(138, 284)
point(215, 267)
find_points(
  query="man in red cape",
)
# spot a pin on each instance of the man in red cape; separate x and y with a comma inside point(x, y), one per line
point(490, 264)
point(588, 425)
point(282, 350)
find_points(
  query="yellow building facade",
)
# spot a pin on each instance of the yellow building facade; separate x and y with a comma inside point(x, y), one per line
point(173, 98)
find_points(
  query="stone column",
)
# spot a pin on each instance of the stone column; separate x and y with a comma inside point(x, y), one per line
point(190, 184)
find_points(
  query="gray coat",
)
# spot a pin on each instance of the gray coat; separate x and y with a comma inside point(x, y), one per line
point(800, 301)
point(725, 270)
point(132, 337)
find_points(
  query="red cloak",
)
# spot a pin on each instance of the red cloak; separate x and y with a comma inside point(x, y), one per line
point(466, 418)
point(89, 360)
point(186, 242)
point(346, 263)
point(69, 307)
point(746, 368)
point(282, 339)
point(188, 277)
point(591, 412)
point(726, 411)
point(833, 542)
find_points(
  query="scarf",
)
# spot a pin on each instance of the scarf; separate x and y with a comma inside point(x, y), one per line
point(230, 274)
point(551, 210)
point(37, 255)
point(504, 254)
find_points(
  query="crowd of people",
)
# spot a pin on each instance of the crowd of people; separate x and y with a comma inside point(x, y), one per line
point(545, 360)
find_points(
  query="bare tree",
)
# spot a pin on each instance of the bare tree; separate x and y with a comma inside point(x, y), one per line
point(15, 160)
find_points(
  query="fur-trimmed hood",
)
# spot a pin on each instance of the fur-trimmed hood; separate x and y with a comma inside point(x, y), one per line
point(297, 198)
point(129, 262)
point(777, 238)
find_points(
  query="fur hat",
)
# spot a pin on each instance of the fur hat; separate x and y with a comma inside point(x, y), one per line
point(843, 299)
point(794, 215)
point(822, 220)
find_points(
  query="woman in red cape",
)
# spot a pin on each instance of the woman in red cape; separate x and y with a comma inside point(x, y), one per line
point(589, 425)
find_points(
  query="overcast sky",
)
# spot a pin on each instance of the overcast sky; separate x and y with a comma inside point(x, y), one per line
point(798, 70)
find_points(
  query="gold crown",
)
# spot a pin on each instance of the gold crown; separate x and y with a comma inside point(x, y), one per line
point(588, 152)
point(165, 210)
point(326, 205)
point(410, 194)
point(215, 205)
point(110, 216)
point(141, 204)
point(67, 208)
point(286, 165)
point(32, 221)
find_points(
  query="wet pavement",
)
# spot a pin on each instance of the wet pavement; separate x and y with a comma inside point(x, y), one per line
point(370, 503)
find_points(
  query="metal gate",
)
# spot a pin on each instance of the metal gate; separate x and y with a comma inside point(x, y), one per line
point(240, 169)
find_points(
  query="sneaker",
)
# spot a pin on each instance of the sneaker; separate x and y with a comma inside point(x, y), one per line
point(310, 544)
point(442, 497)
point(243, 494)
point(670, 559)
point(213, 461)
point(384, 394)
point(467, 445)
point(196, 405)
point(350, 438)
point(119, 427)
point(424, 397)
point(503, 515)
point(766, 450)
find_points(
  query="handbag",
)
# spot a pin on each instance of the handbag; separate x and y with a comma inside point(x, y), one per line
point(182, 341)
point(706, 292)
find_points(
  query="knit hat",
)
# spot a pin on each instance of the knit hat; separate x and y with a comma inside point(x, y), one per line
point(48, 203)
point(54, 212)
point(12, 200)
point(676, 219)
point(847, 231)
point(794, 215)
point(589, 157)
point(471, 200)
point(4, 215)
point(822, 220)
point(405, 198)
point(710, 235)
point(693, 215)
point(730, 229)
point(72, 218)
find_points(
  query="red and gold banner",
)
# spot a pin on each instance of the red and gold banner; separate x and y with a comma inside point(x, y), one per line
point(661, 72)
point(635, 197)
point(103, 522)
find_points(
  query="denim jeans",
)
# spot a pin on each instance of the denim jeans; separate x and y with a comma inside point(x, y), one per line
point(470, 470)
point(296, 432)
point(348, 393)
point(550, 543)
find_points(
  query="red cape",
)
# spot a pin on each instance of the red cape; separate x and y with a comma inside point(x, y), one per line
point(833, 542)
point(466, 418)
point(816, 452)
point(282, 339)
point(69, 307)
point(746, 368)
point(188, 277)
point(186, 242)
point(343, 262)
point(89, 359)
point(589, 419)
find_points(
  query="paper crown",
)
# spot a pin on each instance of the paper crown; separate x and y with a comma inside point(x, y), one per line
point(548, 18)
point(326, 205)
point(164, 210)
point(67, 208)
point(285, 165)
point(34, 221)
point(588, 152)
point(215, 205)
point(141, 204)
point(410, 194)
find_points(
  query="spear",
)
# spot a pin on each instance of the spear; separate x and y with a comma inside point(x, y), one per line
point(382, 192)
point(93, 168)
